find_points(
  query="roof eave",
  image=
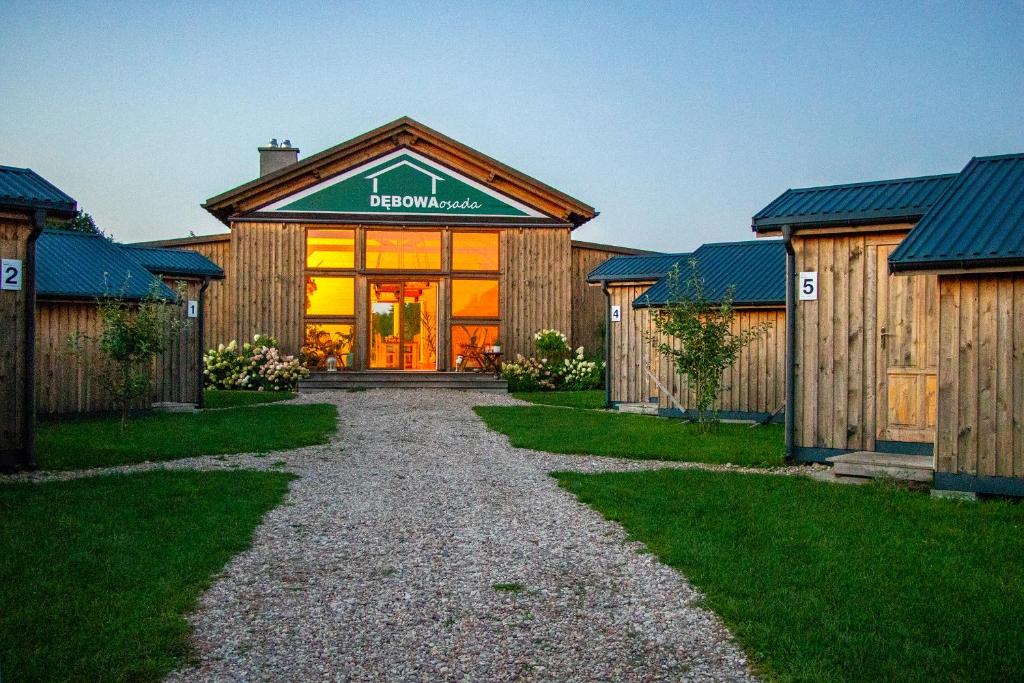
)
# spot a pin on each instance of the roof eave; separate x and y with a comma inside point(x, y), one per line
point(958, 264)
point(835, 221)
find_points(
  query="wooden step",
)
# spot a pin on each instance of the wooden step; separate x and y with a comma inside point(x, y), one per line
point(638, 408)
point(870, 465)
point(462, 381)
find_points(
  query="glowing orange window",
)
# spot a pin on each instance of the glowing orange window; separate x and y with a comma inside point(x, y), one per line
point(403, 250)
point(474, 298)
point(330, 296)
point(469, 341)
point(331, 249)
point(475, 251)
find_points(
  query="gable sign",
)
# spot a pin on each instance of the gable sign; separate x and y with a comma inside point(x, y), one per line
point(402, 182)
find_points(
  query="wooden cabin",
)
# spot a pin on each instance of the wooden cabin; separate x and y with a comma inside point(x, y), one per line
point(401, 249)
point(74, 270)
point(640, 378)
point(27, 201)
point(906, 302)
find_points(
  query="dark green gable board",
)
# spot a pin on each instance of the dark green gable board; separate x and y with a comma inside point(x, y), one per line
point(402, 182)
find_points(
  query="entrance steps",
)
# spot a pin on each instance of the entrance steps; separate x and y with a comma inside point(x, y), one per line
point(348, 380)
point(638, 408)
point(870, 465)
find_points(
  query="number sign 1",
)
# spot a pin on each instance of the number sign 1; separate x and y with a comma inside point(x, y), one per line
point(808, 286)
point(10, 274)
point(193, 308)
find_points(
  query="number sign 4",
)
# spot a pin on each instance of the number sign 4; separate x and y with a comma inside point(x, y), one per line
point(10, 274)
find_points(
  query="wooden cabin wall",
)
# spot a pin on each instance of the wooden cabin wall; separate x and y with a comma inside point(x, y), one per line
point(536, 286)
point(981, 376)
point(755, 383)
point(68, 373)
point(631, 351)
point(267, 269)
point(15, 230)
point(219, 323)
point(589, 306)
point(845, 359)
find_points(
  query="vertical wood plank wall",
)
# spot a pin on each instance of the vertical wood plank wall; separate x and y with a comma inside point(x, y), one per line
point(219, 326)
point(589, 306)
point(630, 348)
point(69, 382)
point(536, 285)
point(267, 268)
point(981, 376)
point(14, 234)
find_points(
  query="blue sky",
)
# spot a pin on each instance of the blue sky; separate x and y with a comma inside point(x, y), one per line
point(677, 121)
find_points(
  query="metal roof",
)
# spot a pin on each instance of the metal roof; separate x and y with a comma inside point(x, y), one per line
point(640, 267)
point(174, 262)
point(25, 189)
point(83, 266)
point(978, 222)
point(880, 201)
point(757, 269)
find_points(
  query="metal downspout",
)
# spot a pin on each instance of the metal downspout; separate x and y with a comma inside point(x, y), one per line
point(787, 238)
point(607, 345)
point(29, 397)
point(200, 345)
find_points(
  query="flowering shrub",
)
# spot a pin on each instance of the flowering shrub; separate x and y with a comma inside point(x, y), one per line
point(556, 368)
point(257, 365)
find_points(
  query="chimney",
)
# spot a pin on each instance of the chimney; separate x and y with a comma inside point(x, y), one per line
point(276, 156)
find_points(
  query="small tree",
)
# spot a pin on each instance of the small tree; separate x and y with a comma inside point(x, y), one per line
point(706, 343)
point(80, 222)
point(133, 335)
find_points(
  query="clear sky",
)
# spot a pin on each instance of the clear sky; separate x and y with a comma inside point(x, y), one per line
point(677, 121)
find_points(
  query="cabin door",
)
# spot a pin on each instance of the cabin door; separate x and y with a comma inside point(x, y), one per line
point(403, 325)
point(907, 353)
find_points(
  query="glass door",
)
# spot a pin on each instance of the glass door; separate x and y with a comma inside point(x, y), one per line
point(403, 325)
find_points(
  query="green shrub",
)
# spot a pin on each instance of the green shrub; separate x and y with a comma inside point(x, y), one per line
point(257, 366)
point(557, 368)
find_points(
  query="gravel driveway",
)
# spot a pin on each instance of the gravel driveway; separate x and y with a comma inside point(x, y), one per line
point(387, 559)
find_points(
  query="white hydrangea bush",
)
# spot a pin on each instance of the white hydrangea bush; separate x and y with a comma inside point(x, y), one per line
point(258, 365)
point(556, 368)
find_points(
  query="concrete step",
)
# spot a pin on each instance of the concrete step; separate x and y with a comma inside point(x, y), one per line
point(870, 465)
point(463, 381)
point(638, 408)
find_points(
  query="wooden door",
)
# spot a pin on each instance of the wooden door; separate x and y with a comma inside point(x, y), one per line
point(907, 352)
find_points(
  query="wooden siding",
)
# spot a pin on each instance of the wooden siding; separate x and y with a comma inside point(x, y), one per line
point(981, 376)
point(69, 381)
point(755, 383)
point(14, 233)
point(536, 286)
point(589, 305)
point(219, 325)
point(267, 267)
point(864, 326)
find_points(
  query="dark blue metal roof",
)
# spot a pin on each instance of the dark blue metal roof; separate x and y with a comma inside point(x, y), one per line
point(641, 267)
point(757, 270)
point(25, 189)
point(83, 266)
point(978, 222)
point(174, 262)
point(903, 199)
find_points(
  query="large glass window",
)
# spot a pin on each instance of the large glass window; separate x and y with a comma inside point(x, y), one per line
point(331, 249)
point(474, 298)
point(475, 251)
point(330, 295)
point(323, 340)
point(403, 250)
point(470, 341)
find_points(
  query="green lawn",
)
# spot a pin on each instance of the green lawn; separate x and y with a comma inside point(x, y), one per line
point(224, 398)
point(99, 442)
point(98, 573)
point(642, 437)
point(571, 399)
point(836, 583)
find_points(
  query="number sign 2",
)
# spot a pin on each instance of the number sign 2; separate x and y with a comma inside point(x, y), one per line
point(10, 274)
point(808, 286)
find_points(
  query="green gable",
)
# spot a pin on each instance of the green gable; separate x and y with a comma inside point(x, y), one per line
point(402, 182)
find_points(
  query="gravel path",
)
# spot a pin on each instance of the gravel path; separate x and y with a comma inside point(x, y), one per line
point(383, 562)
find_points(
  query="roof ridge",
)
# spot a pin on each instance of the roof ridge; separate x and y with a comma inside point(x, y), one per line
point(864, 183)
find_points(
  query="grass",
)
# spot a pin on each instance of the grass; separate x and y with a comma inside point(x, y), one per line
point(223, 398)
point(836, 583)
point(640, 437)
point(508, 587)
point(570, 399)
point(99, 442)
point(98, 573)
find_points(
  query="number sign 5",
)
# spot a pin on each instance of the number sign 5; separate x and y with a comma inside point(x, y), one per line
point(10, 274)
point(808, 286)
